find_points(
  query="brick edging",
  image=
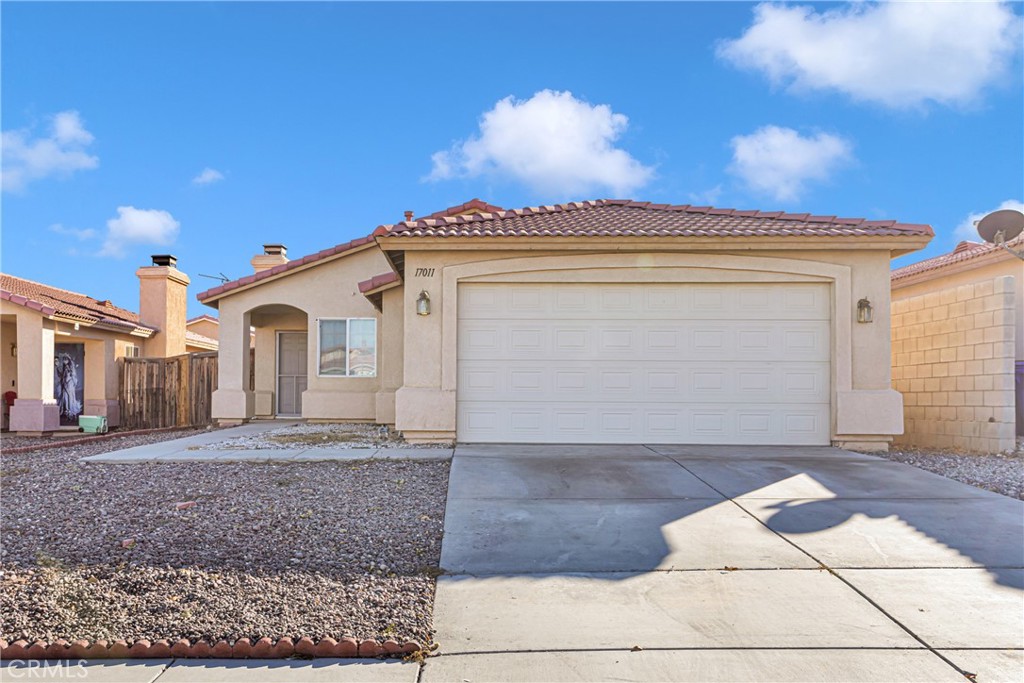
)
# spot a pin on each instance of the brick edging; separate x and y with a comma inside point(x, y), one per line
point(243, 648)
point(60, 442)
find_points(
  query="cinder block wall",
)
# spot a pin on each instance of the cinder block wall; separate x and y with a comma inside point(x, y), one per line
point(953, 361)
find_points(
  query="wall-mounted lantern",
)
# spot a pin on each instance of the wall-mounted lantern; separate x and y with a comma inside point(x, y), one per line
point(14, 350)
point(423, 303)
point(864, 311)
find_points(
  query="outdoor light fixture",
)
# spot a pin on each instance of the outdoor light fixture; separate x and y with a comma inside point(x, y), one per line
point(14, 349)
point(423, 303)
point(864, 311)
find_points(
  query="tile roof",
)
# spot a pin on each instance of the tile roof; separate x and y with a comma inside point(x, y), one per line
point(472, 206)
point(291, 265)
point(965, 251)
point(626, 218)
point(378, 281)
point(54, 301)
point(204, 316)
point(196, 338)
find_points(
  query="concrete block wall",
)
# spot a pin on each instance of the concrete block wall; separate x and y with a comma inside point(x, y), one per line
point(953, 361)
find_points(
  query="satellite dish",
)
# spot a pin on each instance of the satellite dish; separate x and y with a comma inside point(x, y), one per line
point(1001, 226)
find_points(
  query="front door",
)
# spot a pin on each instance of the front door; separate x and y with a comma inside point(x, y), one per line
point(291, 372)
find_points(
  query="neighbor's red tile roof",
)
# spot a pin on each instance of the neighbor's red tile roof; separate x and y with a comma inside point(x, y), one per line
point(625, 218)
point(204, 316)
point(54, 301)
point(965, 251)
point(196, 338)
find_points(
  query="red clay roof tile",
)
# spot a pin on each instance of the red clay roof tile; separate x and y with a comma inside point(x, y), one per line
point(55, 301)
point(622, 217)
point(964, 251)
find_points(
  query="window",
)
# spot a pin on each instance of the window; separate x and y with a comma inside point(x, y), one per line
point(348, 347)
point(131, 351)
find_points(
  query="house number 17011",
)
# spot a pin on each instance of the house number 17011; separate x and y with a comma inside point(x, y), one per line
point(424, 272)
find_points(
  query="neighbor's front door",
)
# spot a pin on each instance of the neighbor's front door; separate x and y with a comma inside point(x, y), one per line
point(291, 372)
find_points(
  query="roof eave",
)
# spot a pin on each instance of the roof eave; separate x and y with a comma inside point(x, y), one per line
point(211, 299)
point(897, 244)
point(979, 261)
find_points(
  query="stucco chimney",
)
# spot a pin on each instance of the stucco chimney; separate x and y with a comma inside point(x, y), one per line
point(163, 303)
point(273, 255)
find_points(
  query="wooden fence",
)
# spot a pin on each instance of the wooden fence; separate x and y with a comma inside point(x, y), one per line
point(167, 392)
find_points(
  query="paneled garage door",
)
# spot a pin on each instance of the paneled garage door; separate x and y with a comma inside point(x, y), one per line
point(644, 363)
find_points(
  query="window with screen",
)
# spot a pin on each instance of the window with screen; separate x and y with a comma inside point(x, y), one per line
point(348, 347)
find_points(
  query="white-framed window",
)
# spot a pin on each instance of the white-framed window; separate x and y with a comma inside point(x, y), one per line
point(347, 347)
point(131, 351)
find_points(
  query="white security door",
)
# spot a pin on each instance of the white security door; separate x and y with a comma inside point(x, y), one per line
point(291, 372)
point(644, 363)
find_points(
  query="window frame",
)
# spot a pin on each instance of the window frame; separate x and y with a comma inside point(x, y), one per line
point(348, 348)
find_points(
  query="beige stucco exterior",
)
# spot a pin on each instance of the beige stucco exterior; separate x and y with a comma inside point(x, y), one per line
point(415, 386)
point(30, 373)
point(34, 330)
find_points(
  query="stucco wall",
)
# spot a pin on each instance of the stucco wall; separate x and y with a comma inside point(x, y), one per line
point(863, 404)
point(326, 290)
point(953, 361)
point(940, 280)
point(207, 328)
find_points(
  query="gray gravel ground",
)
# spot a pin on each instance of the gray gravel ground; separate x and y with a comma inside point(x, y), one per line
point(318, 436)
point(284, 549)
point(999, 472)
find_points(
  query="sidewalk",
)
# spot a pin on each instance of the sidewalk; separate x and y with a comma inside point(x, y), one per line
point(188, 450)
point(214, 671)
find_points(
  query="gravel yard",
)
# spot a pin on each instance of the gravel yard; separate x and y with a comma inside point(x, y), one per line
point(333, 436)
point(1002, 473)
point(217, 551)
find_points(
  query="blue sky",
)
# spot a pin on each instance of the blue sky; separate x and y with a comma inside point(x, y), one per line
point(206, 129)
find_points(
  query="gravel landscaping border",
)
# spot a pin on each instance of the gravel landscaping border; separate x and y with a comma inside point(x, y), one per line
point(1001, 473)
point(208, 559)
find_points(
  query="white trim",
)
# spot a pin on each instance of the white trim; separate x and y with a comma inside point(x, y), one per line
point(348, 346)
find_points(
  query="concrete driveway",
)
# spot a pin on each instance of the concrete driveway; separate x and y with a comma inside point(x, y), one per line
point(680, 563)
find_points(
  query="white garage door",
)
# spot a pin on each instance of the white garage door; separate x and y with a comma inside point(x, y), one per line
point(644, 363)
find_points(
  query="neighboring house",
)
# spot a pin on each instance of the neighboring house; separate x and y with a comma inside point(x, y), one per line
point(207, 327)
point(958, 333)
point(59, 348)
point(600, 321)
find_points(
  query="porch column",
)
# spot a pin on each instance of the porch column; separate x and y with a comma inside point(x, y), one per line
point(232, 402)
point(101, 381)
point(266, 371)
point(35, 410)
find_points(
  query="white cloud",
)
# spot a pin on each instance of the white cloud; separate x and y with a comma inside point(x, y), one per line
point(967, 230)
point(899, 54)
point(554, 143)
point(81, 234)
point(780, 162)
point(138, 226)
point(208, 176)
point(59, 153)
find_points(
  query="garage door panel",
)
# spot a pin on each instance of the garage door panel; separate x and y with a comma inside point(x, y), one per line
point(799, 424)
point(676, 381)
point(499, 340)
point(632, 363)
point(761, 301)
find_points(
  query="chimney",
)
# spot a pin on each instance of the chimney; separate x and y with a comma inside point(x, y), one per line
point(408, 216)
point(273, 255)
point(163, 303)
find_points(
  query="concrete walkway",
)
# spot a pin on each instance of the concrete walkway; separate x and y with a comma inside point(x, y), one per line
point(631, 563)
point(187, 449)
point(214, 671)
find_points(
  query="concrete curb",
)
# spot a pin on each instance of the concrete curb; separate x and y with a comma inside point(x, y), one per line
point(243, 648)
